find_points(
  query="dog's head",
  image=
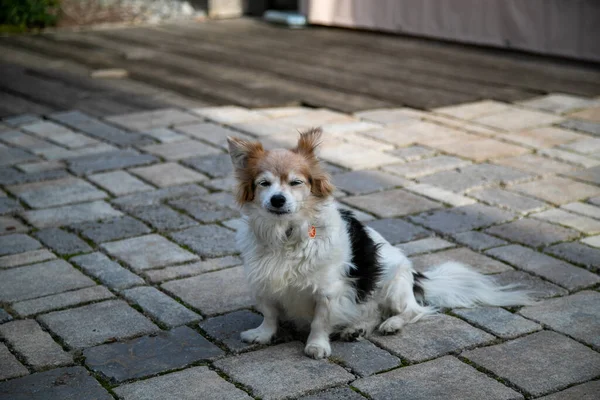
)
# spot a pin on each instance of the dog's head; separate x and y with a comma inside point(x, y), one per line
point(280, 183)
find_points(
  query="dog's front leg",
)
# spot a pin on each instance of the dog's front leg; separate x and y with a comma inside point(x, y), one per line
point(265, 332)
point(318, 345)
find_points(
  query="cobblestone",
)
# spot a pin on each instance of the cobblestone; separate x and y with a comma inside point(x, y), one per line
point(508, 200)
point(478, 240)
point(461, 219)
point(207, 240)
point(62, 300)
point(62, 242)
point(363, 357)
point(424, 246)
point(577, 253)
point(498, 321)
point(160, 306)
point(10, 367)
point(112, 229)
point(362, 182)
point(107, 271)
point(397, 230)
point(120, 183)
point(392, 203)
point(109, 161)
point(72, 214)
point(17, 243)
point(163, 218)
point(532, 232)
point(477, 261)
point(227, 328)
point(28, 257)
point(168, 174)
point(557, 190)
point(11, 225)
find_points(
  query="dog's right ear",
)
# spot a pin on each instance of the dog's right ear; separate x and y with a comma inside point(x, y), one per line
point(241, 150)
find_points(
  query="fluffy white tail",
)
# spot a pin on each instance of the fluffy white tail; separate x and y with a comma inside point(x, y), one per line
point(455, 285)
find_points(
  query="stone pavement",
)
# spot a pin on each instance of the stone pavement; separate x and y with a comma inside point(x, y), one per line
point(119, 276)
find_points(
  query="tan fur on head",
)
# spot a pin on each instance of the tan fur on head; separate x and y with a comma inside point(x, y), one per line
point(307, 144)
point(245, 157)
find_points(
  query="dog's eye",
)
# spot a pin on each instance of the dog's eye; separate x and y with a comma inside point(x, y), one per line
point(296, 183)
point(264, 183)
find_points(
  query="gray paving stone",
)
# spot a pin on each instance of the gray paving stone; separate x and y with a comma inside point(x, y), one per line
point(59, 134)
point(538, 288)
point(550, 268)
point(282, 371)
point(17, 243)
point(10, 176)
point(413, 153)
point(442, 195)
point(585, 391)
point(164, 135)
point(62, 242)
point(363, 357)
point(160, 306)
point(13, 155)
point(186, 270)
point(339, 393)
point(227, 328)
point(444, 378)
point(478, 240)
point(181, 149)
point(392, 203)
point(212, 133)
point(207, 240)
point(22, 119)
point(146, 252)
point(472, 176)
point(582, 126)
point(367, 181)
point(535, 164)
point(433, 337)
point(149, 355)
point(584, 209)
point(152, 119)
point(203, 211)
point(71, 214)
point(528, 362)
point(36, 346)
point(558, 103)
point(10, 367)
point(56, 384)
point(168, 174)
point(397, 230)
point(461, 219)
point(508, 200)
point(39, 280)
point(163, 218)
point(108, 161)
point(498, 321)
point(428, 166)
point(57, 192)
point(11, 225)
point(107, 271)
point(119, 183)
point(557, 190)
point(214, 292)
point(190, 384)
point(570, 157)
point(157, 196)
point(9, 206)
point(27, 308)
point(532, 232)
point(215, 166)
point(577, 315)
point(427, 245)
point(112, 229)
point(577, 253)
point(97, 323)
point(591, 175)
point(28, 257)
point(479, 262)
point(4, 316)
point(571, 220)
point(222, 199)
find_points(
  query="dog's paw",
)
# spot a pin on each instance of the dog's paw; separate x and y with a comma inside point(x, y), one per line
point(257, 335)
point(391, 325)
point(352, 334)
point(317, 350)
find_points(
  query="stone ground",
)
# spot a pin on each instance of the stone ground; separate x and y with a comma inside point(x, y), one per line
point(119, 276)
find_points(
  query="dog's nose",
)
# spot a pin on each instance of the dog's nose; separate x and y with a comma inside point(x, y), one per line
point(278, 200)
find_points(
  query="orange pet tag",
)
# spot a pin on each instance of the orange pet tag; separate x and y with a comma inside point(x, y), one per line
point(312, 232)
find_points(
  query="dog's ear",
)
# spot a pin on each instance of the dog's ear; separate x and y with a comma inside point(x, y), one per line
point(241, 150)
point(309, 141)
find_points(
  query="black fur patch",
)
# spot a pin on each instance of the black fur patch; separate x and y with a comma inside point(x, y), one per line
point(365, 257)
point(418, 285)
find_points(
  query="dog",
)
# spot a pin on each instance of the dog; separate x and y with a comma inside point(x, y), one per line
point(309, 262)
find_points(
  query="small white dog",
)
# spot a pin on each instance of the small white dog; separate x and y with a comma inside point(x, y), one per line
point(310, 262)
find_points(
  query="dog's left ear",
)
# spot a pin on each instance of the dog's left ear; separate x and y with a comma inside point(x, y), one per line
point(309, 141)
point(321, 185)
point(241, 150)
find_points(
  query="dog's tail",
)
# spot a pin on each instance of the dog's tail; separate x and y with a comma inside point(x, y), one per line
point(453, 284)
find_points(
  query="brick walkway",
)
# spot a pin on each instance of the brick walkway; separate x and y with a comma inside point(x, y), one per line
point(119, 276)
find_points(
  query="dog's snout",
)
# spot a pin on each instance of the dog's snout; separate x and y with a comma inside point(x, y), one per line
point(278, 200)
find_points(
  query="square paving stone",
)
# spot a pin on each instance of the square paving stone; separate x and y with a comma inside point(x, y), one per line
point(57, 384)
point(442, 195)
point(149, 355)
point(570, 157)
point(36, 346)
point(282, 371)
point(432, 337)
point(538, 288)
point(591, 175)
point(228, 114)
point(339, 393)
point(186, 270)
point(189, 384)
point(444, 378)
point(208, 240)
point(480, 149)
point(577, 253)
point(537, 363)
point(107, 271)
point(477, 175)
point(585, 391)
point(354, 156)
point(112, 229)
point(17, 243)
point(62, 242)
point(9, 206)
point(214, 292)
point(582, 126)
point(424, 246)
point(536, 164)
point(398, 231)
point(557, 190)
point(203, 211)
point(588, 146)
point(478, 240)
point(157, 196)
point(392, 203)
point(562, 217)
point(57, 193)
point(361, 182)
point(10, 176)
point(508, 200)
point(11, 225)
point(227, 328)
point(62, 300)
point(557, 102)
point(461, 219)
point(39, 280)
point(168, 174)
point(72, 214)
point(97, 323)
point(498, 321)
point(547, 136)
point(160, 306)
point(108, 161)
point(363, 357)
point(13, 155)
point(428, 166)
point(473, 110)
point(163, 218)
point(532, 232)
point(583, 209)
point(516, 118)
point(152, 119)
point(10, 367)
point(150, 251)
point(550, 268)
point(577, 315)
point(479, 262)
point(28, 257)
point(119, 183)
point(212, 133)
point(181, 149)
point(164, 135)
point(215, 166)
point(589, 114)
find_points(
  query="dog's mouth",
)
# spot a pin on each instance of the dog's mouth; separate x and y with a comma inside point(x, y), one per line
point(278, 212)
